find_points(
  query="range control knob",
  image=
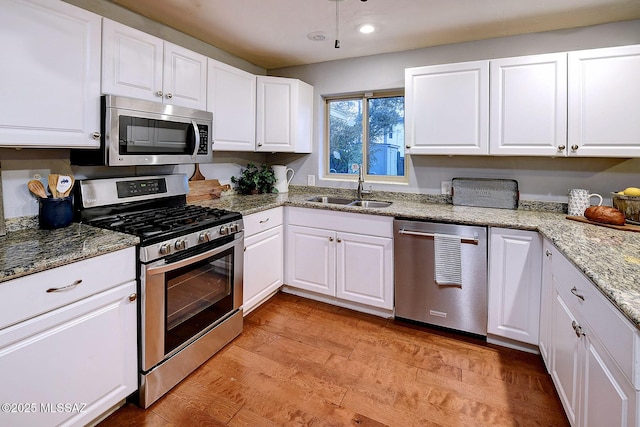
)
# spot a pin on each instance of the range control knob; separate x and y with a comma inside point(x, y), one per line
point(165, 249)
point(204, 237)
point(180, 245)
point(234, 227)
point(224, 230)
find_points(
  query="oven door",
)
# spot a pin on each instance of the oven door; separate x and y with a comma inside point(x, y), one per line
point(185, 295)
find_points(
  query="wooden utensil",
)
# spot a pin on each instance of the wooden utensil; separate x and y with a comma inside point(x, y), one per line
point(37, 188)
point(73, 180)
point(64, 185)
point(53, 183)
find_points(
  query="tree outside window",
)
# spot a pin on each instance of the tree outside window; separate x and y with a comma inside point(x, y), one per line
point(367, 131)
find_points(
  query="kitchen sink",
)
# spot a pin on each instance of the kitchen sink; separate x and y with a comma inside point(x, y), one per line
point(370, 204)
point(349, 202)
point(331, 200)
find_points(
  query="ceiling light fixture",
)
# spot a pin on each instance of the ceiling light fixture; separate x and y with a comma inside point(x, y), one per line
point(366, 28)
point(337, 43)
point(316, 36)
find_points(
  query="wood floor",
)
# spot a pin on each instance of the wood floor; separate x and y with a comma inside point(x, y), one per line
point(301, 362)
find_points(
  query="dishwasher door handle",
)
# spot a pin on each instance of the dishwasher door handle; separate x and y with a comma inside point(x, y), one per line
point(470, 240)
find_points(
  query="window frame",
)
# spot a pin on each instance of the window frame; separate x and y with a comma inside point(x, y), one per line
point(364, 97)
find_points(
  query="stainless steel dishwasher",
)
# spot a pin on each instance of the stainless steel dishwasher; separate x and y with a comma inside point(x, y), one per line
point(461, 306)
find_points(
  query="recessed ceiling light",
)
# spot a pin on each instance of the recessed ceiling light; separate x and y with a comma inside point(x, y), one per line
point(366, 28)
point(316, 36)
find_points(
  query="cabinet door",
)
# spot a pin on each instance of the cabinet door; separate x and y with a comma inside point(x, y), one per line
point(131, 62)
point(185, 77)
point(528, 105)
point(447, 108)
point(231, 97)
point(514, 284)
point(604, 97)
point(50, 75)
point(311, 255)
point(364, 269)
point(83, 355)
point(565, 356)
point(609, 399)
point(276, 108)
point(263, 266)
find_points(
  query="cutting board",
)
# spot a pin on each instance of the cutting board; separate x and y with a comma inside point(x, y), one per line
point(485, 192)
point(626, 227)
point(201, 188)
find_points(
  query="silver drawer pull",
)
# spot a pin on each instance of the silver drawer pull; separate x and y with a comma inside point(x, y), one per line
point(472, 240)
point(264, 220)
point(65, 288)
point(577, 328)
point(574, 291)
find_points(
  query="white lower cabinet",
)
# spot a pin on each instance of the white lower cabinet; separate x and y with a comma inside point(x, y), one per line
point(514, 284)
point(344, 256)
point(263, 257)
point(73, 362)
point(592, 350)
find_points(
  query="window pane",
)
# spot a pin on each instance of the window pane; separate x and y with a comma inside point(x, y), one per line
point(345, 136)
point(385, 154)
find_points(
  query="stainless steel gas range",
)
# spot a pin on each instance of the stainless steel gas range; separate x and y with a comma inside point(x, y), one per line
point(189, 270)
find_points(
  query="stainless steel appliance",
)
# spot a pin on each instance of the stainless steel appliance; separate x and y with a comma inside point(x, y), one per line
point(139, 132)
point(461, 306)
point(190, 272)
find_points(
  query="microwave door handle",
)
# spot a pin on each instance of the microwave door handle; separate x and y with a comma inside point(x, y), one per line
point(196, 138)
point(185, 262)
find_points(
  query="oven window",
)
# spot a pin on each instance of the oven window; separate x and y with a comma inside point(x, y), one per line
point(149, 136)
point(198, 296)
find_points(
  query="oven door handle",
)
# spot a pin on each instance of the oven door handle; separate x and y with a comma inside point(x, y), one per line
point(161, 269)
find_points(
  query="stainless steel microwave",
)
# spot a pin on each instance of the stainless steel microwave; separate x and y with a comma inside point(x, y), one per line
point(139, 132)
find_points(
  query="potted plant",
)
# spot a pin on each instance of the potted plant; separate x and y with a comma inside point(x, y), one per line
point(254, 180)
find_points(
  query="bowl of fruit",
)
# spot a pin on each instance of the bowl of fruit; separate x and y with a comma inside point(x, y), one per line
point(627, 201)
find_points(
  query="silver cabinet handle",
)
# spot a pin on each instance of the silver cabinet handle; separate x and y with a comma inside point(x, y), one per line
point(259, 144)
point(96, 135)
point(169, 96)
point(339, 240)
point(548, 252)
point(331, 239)
point(65, 288)
point(133, 297)
point(264, 220)
point(574, 291)
point(577, 328)
point(561, 147)
point(160, 93)
point(407, 147)
point(575, 147)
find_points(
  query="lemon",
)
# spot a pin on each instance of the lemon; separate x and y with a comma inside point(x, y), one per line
point(632, 191)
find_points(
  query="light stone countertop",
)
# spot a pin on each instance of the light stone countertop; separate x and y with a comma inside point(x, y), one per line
point(610, 258)
point(31, 250)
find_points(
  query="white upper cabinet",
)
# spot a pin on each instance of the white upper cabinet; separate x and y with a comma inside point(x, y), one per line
point(604, 101)
point(528, 105)
point(50, 75)
point(231, 97)
point(139, 65)
point(284, 115)
point(447, 108)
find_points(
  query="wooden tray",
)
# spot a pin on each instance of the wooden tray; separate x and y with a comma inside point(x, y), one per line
point(626, 227)
point(201, 188)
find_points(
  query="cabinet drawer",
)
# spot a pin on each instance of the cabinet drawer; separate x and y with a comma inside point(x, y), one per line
point(261, 221)
point(27, 297)
point(371, 225)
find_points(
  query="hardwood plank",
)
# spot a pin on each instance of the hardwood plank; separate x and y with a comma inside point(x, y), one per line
point(302, 362)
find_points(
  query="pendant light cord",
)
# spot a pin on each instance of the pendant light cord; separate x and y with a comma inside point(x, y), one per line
point(337, 44)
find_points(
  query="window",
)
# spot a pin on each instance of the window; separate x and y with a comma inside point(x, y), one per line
point(366, 131)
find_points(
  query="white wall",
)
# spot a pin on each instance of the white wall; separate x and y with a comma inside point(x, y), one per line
point(544, 179)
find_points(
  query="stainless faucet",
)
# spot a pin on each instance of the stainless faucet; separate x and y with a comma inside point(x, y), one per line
point(360, 183)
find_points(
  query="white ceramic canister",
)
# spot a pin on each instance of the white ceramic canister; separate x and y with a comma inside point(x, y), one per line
point(282, 179)
point(579, 200)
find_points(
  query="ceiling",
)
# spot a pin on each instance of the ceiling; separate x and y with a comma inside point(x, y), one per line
point(274, 33)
